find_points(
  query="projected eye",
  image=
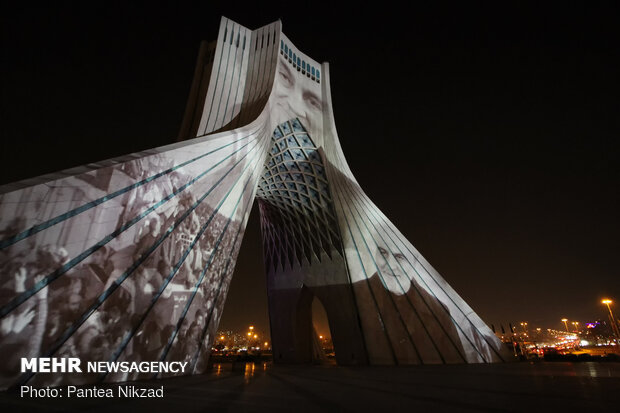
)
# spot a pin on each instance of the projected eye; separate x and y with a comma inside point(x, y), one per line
point(287, 79)
point(384, 252)
point(399, 256)
point(313, 101)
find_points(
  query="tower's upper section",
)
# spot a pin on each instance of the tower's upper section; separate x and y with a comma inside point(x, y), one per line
point(233, 78)
point(237, 74)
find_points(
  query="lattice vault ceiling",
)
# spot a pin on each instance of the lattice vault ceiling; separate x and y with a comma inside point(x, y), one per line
point(294, 194)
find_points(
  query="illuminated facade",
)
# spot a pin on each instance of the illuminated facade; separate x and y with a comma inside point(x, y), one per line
point(130, 259)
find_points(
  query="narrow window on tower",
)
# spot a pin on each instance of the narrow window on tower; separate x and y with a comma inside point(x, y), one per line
point(225, 32)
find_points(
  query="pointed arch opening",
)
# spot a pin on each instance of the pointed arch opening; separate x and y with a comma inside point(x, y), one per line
point(313, 339)
point(323, 346)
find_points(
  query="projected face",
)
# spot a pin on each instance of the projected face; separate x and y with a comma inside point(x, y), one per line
point(380, 262)
point(298, 97)
point(391, 264)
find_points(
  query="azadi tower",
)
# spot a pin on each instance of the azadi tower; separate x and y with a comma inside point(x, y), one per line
point(130, 259)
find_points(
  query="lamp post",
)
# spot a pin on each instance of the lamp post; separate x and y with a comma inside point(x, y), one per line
point(614, 326)
point(565, 321)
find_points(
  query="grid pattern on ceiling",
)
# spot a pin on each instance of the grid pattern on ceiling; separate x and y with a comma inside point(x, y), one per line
point(297, 212)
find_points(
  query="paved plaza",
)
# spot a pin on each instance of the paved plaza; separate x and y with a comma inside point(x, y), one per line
point(561, 386)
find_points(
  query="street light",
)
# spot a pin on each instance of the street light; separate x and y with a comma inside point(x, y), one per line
point(565, 320)
point(614, 326)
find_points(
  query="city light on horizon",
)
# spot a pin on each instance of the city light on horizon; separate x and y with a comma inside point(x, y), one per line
point(539, 333)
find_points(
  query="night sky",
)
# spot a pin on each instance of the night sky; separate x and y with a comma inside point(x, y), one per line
point(487, 133)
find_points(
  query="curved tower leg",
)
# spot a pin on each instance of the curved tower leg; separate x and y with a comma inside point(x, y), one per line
point(321, 232)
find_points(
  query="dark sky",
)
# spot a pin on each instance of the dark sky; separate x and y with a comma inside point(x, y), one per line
point(487, 133)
